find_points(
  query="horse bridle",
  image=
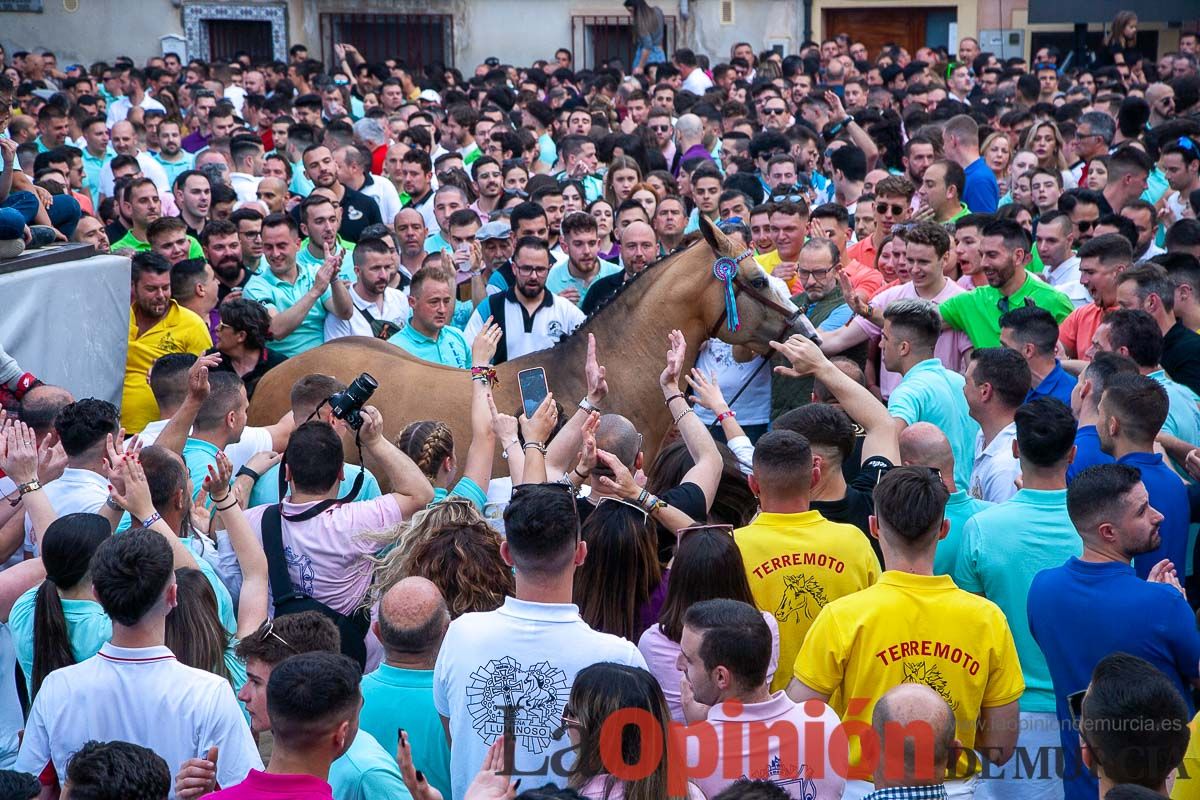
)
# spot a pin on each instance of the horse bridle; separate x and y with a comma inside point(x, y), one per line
point(726, 270)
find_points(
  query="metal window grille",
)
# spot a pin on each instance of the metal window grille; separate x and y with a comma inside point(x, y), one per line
point(228, 36)
point(416, 39)
point(599, 38)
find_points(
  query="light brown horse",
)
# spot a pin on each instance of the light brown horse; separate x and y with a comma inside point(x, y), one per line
point(679, 292)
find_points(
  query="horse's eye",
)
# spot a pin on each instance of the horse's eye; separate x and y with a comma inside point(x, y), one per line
point(759, 283)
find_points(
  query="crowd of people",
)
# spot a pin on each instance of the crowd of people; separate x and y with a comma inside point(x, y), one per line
point(945, 547)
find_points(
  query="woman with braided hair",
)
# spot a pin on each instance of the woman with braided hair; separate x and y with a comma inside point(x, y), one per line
point(430, 444)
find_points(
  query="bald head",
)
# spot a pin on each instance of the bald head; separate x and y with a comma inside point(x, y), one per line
point(912, 718)
point(412, 620)
point(924, 445)
point(639, 247)
point(408, 216)
point(617, 435)
point(41, 404)
point(690, 128)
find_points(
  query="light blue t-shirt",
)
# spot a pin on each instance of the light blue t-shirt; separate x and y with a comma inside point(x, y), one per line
point(1183, 415)
point(266, 488)
point(175, 168)
point(88, 627)
point(959, 508)
point(300, 184)
point(366, 771)
point(449, 348)
point(1003, 548)
point(307, 261)
point(547, 150)
point(198, 455)
point(560, 278)
point(278, 295)
point(465, 488)
point(434, 243)
point(395, 698)
point(931, 393)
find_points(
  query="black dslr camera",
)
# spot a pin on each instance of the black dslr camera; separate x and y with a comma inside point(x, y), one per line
point(347, 404)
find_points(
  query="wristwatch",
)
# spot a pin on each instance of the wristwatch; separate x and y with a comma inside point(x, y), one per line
point(588, 405)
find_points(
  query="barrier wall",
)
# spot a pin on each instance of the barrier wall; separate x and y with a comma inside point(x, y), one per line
point(64, 316)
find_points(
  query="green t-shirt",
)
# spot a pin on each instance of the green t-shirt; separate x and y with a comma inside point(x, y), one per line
point(131, 242)
point(977, 312)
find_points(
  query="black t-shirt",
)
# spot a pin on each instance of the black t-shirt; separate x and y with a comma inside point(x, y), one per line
point(687, 497)
point(859, 503)
point(358, 211)
point(267, 361)
point(1181, 356)
point(223, 290)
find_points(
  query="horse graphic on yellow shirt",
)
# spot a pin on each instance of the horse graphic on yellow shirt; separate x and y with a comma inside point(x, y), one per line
point(800, 594)
point(931, 676)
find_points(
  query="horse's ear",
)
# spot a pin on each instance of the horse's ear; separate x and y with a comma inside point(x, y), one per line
point(717, 240)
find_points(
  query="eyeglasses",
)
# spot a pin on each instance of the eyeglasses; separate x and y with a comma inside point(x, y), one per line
point(774, 112)
point(882, 208)
point(815, 274)
point(268, 629)
point(541, 272)
point(683, 533)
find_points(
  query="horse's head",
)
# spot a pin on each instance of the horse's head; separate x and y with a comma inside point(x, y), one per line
point(765, 311)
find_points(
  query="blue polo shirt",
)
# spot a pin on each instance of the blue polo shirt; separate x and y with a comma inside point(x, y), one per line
point(1057, 384)
point(1003, 548)
point(395, 698)
point(198, 455)
point(279, 295)
point(307, 261)
point(931, 393)
point(981, 192)
point(176, 168)
point(266, 488)
point(1169, 497)
point(959, 508)
point(449, 348)
point(1083, 611)
point(1087, 451)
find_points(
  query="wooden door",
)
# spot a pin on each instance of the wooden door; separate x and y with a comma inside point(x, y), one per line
point(875, 27)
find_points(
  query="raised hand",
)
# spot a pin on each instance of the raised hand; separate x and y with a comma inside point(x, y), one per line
point(503, 425)
point(19, 458)
point(837, 111)
point(539, 428)
point(486, 341)
point(805, 356)
point(134, 496)
point(490, 783)
point(198, 387)
point(1164, 572)
point(372, 428)
point(216, 483)
point(785, 271)
point(669, 379)
point(708, 391)
point(197, 776)
point(52, 460)
point(597, 386)
point(417, 786)
point(588, 452)
point(621, 483)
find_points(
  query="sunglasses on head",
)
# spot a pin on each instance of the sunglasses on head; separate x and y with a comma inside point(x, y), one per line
point(683, 533)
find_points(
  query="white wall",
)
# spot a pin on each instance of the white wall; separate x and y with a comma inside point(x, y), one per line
point(98, 31)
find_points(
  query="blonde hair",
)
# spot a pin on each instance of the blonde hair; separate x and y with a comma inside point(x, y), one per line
point(1060, 146)
point(428, 443)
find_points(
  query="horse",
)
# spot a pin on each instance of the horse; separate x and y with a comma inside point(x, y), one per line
point(800, 594)
point(679, 292)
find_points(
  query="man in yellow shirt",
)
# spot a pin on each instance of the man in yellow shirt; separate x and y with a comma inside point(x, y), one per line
point(796, 560)
point(158, 326)
point(915, 627)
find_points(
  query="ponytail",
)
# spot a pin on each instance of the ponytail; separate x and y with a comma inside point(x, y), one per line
point(51, 639)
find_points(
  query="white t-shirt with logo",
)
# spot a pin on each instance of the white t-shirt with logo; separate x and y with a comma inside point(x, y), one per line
point(524, 657)
point(554, 318)
point(396, 310)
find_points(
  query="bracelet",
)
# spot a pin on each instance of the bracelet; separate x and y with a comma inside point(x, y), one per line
point(677, 396)
point(219, 507)
point(249, 473)
point(30, 486)
point(724, 415)
point(683, 414)
point(588, 405)
point(150, 520)
point(504, 450)
point(583, 476)
point(114, 505)
point(485, 375)
point(541, 448)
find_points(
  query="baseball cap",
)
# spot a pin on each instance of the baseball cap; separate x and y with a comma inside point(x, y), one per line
point(430, 96)
point(491, 61)
point(493, 230)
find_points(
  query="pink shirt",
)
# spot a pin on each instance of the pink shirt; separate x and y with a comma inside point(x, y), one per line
point(662, 658)
point(267, 786)
point(595, 789)
point(783, 757)
point(950, 345)
point(327, 555)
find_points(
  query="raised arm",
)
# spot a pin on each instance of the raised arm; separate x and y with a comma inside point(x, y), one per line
point(707, 458)
point(860, 137)
point(478, 466)
point(286, 321)
point(536, 431)
point(174, 436)
point(565, 446)
point(882, 437)
point(411, 489)
point(19, 460)
point(339, 302)
point(134, 497)
point(504, 428)
point(252, 602)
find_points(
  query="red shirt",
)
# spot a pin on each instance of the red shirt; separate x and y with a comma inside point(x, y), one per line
point(1077, 330)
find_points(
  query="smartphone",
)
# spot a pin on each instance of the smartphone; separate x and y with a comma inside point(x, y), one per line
point(532, 383)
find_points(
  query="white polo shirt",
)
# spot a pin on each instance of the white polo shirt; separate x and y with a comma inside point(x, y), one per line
point(245, 185)
point(77, 490)
point(139, 695)
point(996, 469)
point(523, 334)
point(150, 169)
point(385, 196)
point(396, 310)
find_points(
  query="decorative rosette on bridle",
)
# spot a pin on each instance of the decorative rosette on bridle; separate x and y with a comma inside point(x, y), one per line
point(725, 269)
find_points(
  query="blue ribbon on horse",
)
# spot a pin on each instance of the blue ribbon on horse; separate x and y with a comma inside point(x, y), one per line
point(725, 269)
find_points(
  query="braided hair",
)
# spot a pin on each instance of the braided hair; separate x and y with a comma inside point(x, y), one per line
point(428, 443)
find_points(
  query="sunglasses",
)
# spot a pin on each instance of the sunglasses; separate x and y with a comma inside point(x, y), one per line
point(1086, 225)
point(268, 629)
point(774, 112)
point(600, 503)
point(660, 128)
point(683, 533)
point(882, 208)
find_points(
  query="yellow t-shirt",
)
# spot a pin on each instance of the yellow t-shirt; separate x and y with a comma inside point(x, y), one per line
point(912, 629)
point(796, 563)
point(1187, 781)
point(180, 331)
point(769, 261)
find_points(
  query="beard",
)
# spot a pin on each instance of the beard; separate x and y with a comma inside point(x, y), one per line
point(1152, 542)
point(229, 270)
point(529, 290)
